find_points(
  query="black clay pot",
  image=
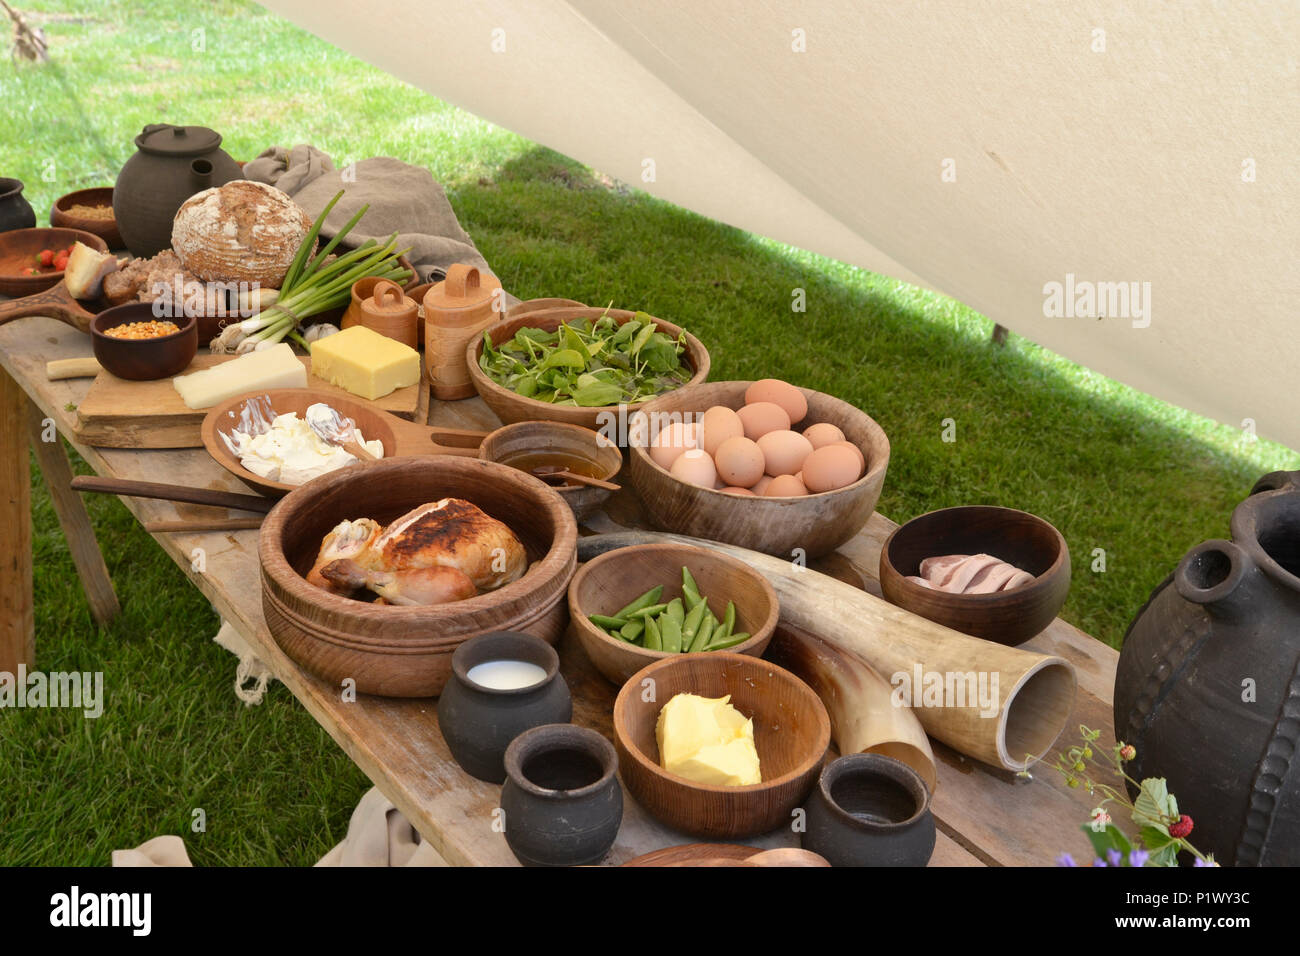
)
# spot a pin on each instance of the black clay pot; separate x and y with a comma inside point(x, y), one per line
point(171, 164)
point(1208, 684)
point(869, 810)
point(15, 211)
point(479, 722)
point(562, 801)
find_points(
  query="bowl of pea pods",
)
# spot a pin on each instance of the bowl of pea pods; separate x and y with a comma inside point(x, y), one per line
point(632, 606)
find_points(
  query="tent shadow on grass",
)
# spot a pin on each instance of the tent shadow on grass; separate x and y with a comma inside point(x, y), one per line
point(1114, 469)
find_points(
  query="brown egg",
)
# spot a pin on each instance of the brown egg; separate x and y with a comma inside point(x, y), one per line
point(862, 459)
point(695, 467)
point(785, 486)
point(672, 441)
point(781, 393)
point(717, 425)
point(763, 417)
point(823, 433)
point(784, 452)
point(737, 491)
point(831, 467)
point(760, 486)
point(740, 461)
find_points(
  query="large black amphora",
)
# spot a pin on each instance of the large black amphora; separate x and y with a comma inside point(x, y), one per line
point(1208, 686)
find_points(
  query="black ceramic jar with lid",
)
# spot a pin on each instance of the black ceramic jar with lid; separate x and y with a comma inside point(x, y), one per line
point(171, 164)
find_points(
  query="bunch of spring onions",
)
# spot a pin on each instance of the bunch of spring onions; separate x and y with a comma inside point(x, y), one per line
point(312, 286)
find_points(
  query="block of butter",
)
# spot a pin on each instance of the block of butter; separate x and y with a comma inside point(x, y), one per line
point(364, 362)
point(276, 367)
point(707, 740)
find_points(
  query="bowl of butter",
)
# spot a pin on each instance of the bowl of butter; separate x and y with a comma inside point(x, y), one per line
point(719, 745)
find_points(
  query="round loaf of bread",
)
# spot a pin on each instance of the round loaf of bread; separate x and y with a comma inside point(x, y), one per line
point(240, 232)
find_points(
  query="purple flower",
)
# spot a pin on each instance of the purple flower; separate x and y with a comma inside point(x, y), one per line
point(1066, 860)
point(1099, 862)
point(1200, 862)
point(1138, 857)
point(1113, 856)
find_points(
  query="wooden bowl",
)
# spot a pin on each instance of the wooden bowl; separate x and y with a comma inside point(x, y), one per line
point(143, 360)
point(106, 229)
point(511, 408)
point(398, 436)
point(817, 524)
point(1017, 537)
point(615, 578)
point(406, 651)
point(521, 437)
point(791, 733)
point(19, 249)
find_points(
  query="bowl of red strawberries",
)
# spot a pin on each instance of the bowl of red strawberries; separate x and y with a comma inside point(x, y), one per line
point(33, 260)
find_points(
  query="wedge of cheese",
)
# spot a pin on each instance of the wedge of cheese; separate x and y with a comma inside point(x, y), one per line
point(364, 362)
point(276, 367)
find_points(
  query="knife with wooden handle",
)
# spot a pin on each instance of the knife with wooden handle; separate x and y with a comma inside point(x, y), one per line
point(163, 492)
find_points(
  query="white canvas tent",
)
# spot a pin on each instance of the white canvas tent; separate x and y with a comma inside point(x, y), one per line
point(987, 148)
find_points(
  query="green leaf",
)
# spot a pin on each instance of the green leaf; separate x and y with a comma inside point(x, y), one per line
point(1165, 856)
point(642, 339)
point(1152, 805)
point(596, 394)
point(1107, 838)
point(1155, 838)
point(563, 358)
point(575, 343)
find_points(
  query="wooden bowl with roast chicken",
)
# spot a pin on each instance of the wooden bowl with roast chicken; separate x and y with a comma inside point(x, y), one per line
point(351, 562)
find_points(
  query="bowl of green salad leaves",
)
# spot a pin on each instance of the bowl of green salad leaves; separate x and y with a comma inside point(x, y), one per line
point(577, 364)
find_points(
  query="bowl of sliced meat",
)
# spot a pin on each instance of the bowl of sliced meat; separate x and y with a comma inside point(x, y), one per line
point(995, 573)
point(379, 571)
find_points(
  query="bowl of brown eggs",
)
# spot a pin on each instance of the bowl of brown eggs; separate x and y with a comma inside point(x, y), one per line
point(764, 465)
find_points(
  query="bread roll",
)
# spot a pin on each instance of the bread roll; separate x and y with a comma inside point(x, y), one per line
point(240, 232)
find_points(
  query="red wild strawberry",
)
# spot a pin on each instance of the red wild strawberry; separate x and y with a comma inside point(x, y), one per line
point(1181, 829)
point(46, 257)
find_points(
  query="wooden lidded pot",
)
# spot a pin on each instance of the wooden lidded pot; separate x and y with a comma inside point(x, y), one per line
point(388, 311)
point(455, 311)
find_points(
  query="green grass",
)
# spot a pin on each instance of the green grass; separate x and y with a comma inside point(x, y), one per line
point(1112, 468)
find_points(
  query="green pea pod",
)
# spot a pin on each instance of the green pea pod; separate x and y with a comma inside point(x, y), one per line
point(671, 634)
point(653, 639)
point(601, 620)
point(728, 620)
point(676, 611)
point(690, 590)
point(692, 623)
point(654, 610)
point(645, 600)
point(703, 635)
point(632, 630)
point(730, 641)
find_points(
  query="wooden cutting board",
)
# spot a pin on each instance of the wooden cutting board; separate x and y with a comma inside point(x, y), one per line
point(117, 413)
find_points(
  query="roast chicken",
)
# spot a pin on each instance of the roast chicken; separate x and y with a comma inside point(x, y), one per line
point(970, 574)
point(443, 551)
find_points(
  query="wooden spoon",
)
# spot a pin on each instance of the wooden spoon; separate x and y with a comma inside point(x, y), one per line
point(548, 472)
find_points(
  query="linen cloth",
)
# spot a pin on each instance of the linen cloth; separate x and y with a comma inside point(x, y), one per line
point(378, 835)
point(403, 198)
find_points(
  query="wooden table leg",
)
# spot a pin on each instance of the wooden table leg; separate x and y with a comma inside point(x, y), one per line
point(73, 519)
point(17, 616)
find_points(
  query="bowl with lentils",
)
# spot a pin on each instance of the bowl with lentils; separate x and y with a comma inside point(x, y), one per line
point(133, 343)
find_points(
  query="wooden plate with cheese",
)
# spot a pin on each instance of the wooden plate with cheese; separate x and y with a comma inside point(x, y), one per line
point(399, 437)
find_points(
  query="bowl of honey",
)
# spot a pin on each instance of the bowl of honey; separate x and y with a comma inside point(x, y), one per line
point(544, 448)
